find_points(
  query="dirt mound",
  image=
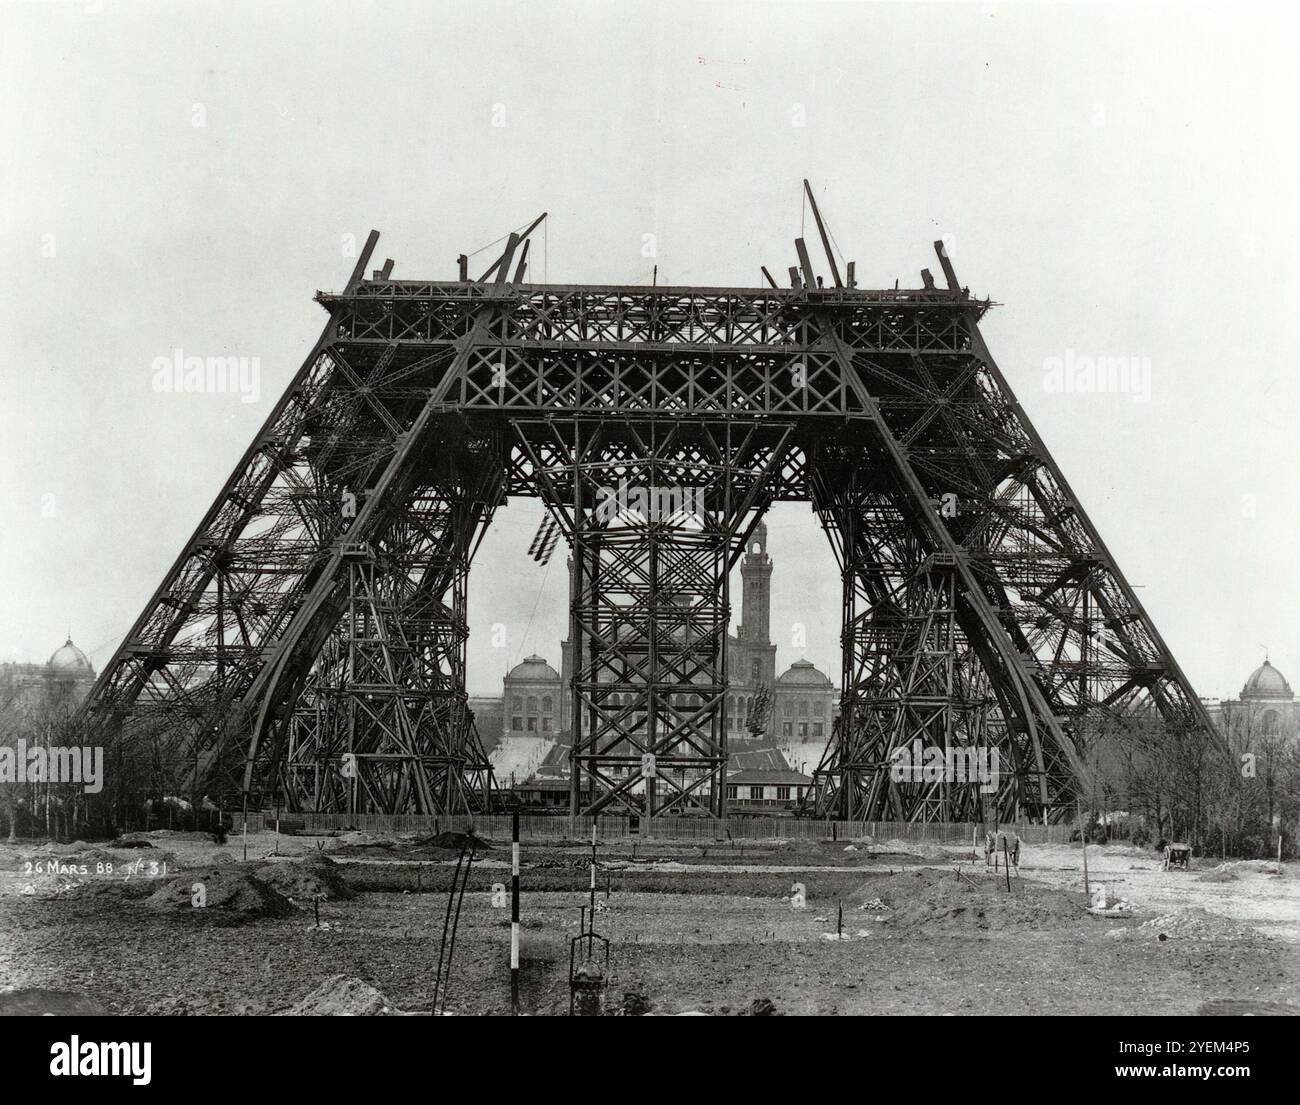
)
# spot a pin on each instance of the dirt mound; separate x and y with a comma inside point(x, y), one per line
point(340, 996)
point(226, 891)
point(935, 899)
point(116, 890)
point(1195, 924)
point(1222, 873)
point(454, 842)
point(50, 1003)
point(1231, 1007)
point(305, 879)
point(919, 850)
point(1122, 848)
point(1235, 869)
point(53, 857)
point(354, 838)
point(1239, 867)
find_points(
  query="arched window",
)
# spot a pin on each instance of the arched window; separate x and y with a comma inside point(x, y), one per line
point(547, 707)
point(532, 704)
point(754, 669)
point(731, 705)
point(803, 707)
point(787, 707)
point(517, 702)
point(819, 708)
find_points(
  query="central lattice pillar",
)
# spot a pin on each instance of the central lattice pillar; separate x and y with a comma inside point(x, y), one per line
point(657, 515)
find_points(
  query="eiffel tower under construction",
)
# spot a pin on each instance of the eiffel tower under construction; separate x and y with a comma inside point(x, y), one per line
point(308, 646)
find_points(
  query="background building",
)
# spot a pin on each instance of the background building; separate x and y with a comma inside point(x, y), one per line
point(1265, 709)
point(531, 699)
point(762, 781)
point(54, 688)
point(805, 703)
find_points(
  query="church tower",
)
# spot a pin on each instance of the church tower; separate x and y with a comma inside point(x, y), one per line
point(756, 581)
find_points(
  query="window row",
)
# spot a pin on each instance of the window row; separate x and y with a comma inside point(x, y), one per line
point(530, 724)
point(517, 703)
point(788, 729)
point(763, 793)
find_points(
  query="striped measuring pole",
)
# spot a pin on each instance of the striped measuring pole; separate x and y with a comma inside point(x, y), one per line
point(593, 873)
point(514, 912)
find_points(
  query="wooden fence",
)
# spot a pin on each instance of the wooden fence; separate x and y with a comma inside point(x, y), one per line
point(543, 827)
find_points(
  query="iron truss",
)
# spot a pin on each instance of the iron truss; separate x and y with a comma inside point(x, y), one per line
point(308, 645)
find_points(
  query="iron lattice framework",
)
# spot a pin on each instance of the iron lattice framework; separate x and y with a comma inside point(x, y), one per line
point(309, 643)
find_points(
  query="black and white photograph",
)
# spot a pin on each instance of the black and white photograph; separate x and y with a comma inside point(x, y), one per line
point(612, 508)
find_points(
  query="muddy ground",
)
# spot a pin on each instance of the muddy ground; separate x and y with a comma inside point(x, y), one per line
point(710, 929)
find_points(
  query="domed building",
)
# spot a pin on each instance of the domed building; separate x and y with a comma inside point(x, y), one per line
point(62, 681)
point(1266, 707)
point(532, 699)
point(1266, 683)
point(68, 676)
point(69, 662)
point(805, 702)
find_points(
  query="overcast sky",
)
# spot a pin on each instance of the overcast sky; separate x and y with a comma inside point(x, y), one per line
point(185, 176)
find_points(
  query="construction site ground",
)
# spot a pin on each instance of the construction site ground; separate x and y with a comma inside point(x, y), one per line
point(888, 927)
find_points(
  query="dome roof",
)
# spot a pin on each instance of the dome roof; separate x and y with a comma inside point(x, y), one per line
point(802, 672)
point(1266, 682)
point(70, 660)
point(534, 669)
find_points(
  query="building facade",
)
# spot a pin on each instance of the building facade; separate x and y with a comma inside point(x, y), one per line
point(805, 704)
point(531, 699)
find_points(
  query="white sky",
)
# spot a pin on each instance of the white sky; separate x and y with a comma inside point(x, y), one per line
point(1122, 179)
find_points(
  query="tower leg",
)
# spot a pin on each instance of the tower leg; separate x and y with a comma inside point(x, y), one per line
point(385, 713)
